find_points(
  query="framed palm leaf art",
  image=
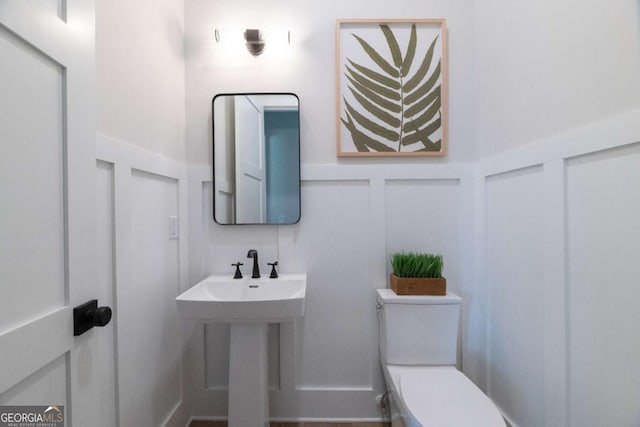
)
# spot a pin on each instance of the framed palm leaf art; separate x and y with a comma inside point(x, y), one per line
point(391, 87)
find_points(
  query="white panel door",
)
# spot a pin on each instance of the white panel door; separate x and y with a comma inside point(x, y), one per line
point(250, 172)
point(47, 214)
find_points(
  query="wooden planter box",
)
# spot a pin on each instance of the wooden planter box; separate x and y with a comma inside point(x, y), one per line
point(418, 285)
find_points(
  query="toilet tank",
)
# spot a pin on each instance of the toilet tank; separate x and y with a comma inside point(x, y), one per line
point(418, 329)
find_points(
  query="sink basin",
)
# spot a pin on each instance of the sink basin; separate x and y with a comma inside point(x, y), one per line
point(265, 300)
point(249, 305)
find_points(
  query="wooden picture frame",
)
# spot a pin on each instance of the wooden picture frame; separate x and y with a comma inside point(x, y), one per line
point(391, 87)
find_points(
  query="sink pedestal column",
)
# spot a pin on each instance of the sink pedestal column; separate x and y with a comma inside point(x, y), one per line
point(248, 377)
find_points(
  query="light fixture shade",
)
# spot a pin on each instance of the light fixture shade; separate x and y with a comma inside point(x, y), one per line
point(255, 41)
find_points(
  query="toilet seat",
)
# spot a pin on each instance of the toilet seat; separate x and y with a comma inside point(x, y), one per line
point(437, 397)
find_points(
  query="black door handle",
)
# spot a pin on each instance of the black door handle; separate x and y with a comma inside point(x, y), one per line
point(88, 315)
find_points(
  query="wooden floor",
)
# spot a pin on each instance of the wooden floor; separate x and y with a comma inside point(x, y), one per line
point(200, 423)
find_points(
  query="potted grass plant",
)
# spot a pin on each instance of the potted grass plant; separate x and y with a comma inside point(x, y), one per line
point(417, 274)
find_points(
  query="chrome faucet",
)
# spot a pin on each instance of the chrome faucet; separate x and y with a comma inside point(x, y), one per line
point(256, 270)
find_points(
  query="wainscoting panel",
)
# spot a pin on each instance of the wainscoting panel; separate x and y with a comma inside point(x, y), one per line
point(420, 217)
point(204, 423)
point(216, 355)
point(216, 351)
point(515, 246)
point(603, 249)
point(148, 268)
point(106, 340)
point(151, 347)
point(332, 239)
point(558, 253)
point(353, 217)
point(222, 246)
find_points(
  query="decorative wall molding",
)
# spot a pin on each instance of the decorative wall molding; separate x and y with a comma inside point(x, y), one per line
point(612, 132)
point(469, 180)
point(128, 160)
point(364, 172)
point(299, 399)
point(552, 155)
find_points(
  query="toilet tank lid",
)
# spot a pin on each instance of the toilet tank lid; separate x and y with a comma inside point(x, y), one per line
point(387, 296)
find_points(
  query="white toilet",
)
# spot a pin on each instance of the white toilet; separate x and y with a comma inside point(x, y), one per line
point(418, 351)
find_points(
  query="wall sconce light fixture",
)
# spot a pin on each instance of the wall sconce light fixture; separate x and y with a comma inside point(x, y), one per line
point(256, 40)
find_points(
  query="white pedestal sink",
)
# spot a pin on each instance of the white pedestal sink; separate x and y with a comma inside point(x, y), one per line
point(249, 305)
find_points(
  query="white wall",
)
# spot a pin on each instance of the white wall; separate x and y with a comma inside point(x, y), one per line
point(138, 192)
point(105, 276)
point(544, 67)
point(307, 68)
point(327, 365)
point(557, 90)
point(140, 73)
point(561, 276)
point(517, 74)
point(515, 252)
point(353, 215)
point(141, 124)
point(603, 231)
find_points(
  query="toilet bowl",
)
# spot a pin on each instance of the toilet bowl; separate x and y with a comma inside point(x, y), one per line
point(418, 351)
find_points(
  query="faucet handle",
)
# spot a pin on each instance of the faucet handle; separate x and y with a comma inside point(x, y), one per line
point(238, 274)
point(274, 273)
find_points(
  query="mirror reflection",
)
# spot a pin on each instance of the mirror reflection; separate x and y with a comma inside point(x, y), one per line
point(256, 158)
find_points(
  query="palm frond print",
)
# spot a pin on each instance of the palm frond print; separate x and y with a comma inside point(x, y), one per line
point(394, 111)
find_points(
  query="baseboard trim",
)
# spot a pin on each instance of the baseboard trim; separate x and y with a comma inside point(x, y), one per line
point(329, 420)
point(301, 420)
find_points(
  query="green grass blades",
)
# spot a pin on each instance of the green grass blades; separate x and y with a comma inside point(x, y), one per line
point(413, 264)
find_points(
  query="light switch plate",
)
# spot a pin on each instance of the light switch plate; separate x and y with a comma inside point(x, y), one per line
point(173, 228)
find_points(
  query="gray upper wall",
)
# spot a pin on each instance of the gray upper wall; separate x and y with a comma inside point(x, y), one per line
point(307, 67)
point(517, 72)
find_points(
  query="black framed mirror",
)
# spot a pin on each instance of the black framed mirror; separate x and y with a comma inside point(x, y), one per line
point(256, 158)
